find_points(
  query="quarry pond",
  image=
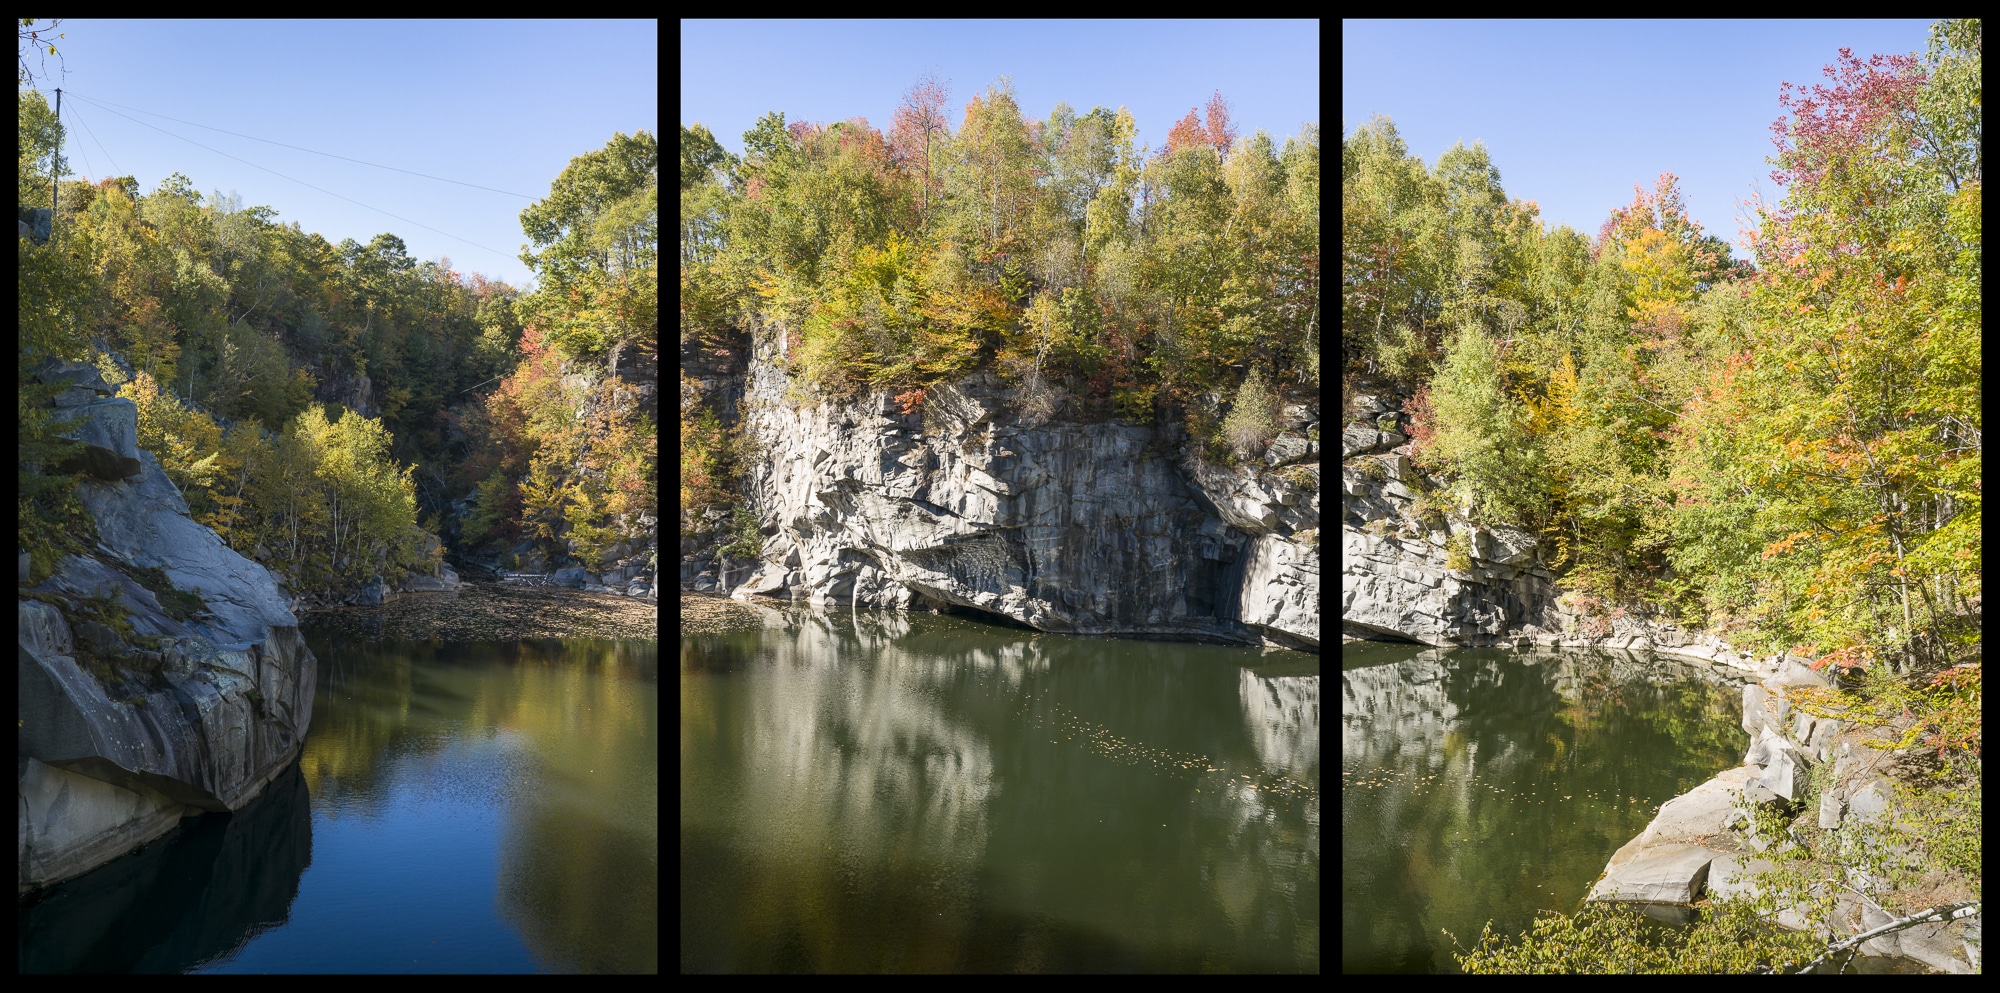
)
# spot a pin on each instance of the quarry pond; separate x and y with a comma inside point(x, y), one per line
point(458, 807)
point(1485, 785)
point(873, 791)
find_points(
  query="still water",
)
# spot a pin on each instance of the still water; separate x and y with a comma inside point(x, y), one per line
point(883, 792)
point(463, 807)
point(1483, 785)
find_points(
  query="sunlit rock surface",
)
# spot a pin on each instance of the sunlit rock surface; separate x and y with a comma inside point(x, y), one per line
point(1079, 527)
point(129, 722)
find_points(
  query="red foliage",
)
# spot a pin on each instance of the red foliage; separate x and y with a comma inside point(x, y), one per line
point(911, 401)
point(918, 120)
point(1186, 133)
point(533, 345)
point(1190, 132)
point(1829, 125)
point(1220, 134)
point(1422, 418)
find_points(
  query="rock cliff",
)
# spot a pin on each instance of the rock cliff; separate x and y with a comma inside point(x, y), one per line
point(1065, 525)
point(1397, 573)
point(1703, 843)
point(160, 676)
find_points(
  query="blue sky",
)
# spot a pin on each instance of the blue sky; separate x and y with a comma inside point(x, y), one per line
point(502, 104)
point(733, 72)
point(1573, 113)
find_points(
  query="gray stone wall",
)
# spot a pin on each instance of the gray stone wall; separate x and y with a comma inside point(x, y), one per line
point(1085, 527)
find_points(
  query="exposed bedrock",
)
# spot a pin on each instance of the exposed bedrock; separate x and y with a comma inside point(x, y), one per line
point(1086, 528)
point(134, 714)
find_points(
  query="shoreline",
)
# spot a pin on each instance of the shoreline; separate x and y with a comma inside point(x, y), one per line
point(486, 611)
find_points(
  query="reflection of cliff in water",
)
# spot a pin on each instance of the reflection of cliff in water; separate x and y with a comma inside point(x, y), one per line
point(189, 897)
point(1409, 698)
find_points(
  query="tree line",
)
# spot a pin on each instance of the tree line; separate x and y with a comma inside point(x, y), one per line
point(1096, 277)
point(1788, 444)
point(1785, 448)
point(252, 342)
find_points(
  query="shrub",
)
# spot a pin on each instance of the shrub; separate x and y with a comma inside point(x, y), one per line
point(178, 603)
point(1134, 404)
point(746, 535)
point(1252, 418)
point(1458, 551)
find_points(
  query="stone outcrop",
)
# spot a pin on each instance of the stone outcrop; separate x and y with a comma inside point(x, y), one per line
point(86, 411)
point(34, 223)
point(134, 713)
point(1088, 528)
point(1398, 581)
point(1704, 843)
point(1415, 568)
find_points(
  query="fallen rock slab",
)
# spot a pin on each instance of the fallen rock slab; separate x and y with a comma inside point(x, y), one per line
point(1669, 861)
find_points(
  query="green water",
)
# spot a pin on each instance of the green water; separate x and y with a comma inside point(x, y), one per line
point(1483, 785)
point(482, 807)
point(879, 792)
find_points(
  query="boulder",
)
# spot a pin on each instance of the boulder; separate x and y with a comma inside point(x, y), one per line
point(84, 577)
point(574, 576)
point(447, 583)
point(80, 375)
point(109, 429)
point(1669, 861)
point(375, 593)
point(41, 629)
point(35, 222)
point(1359, 439)
point(99, 639)
point(144, 522)
point(1286, 448)
point(202, 720)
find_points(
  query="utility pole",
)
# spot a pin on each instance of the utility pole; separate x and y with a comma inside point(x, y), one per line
point(55, 181)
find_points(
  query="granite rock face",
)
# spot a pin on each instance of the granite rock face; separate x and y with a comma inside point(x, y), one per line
point(1397, 581)
point(1088, 528)
point(87, 412)
point(143, 522)
point(132, 718)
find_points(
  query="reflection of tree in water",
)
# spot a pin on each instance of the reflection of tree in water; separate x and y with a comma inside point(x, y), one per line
point(1493, 774)
point(719, 653)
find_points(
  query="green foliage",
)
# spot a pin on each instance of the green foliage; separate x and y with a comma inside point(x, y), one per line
point(1458, 551)
point(1134, 404)
point(1252, 419)
point(1078, 266)
point(1602, 940)
point(39, 133)
point(1792, 456)
point(230, 316)
point(53, 300)
point(746, 538)
point(599, 263)
point(181, 605)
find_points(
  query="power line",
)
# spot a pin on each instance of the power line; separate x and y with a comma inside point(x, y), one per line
point(100, 143)
point(310, 186)
point(330, 155)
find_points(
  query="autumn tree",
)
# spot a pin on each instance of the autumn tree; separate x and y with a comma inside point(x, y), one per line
point(919, 136)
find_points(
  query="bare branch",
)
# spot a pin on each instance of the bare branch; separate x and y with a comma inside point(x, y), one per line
point(1949, 912)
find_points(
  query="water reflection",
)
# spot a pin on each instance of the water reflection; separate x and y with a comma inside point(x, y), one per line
point(182, 900)
point(895, 792)
point(1485, 785)
point(458, 807)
